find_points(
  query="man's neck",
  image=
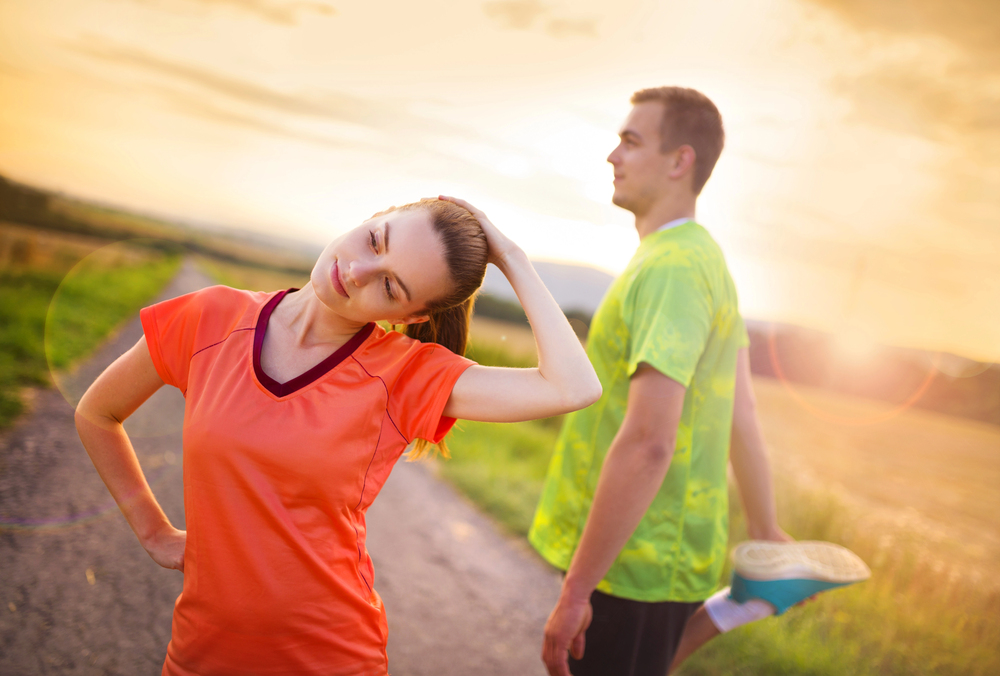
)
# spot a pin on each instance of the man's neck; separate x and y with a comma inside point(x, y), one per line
point(664, 212)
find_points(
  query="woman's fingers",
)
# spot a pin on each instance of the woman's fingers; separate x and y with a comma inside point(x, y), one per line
point(167, 548)
point(500, 246)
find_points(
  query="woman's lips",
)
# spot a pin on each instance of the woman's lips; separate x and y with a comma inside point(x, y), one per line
point(335, 278)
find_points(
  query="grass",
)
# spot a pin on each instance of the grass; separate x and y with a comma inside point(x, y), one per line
point(920, 613)
point(925, 610)
point(95, 298)
point(913, 617)
point(83, 304)
point(501, 467)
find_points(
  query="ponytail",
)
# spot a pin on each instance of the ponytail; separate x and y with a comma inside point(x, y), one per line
point(448, 328)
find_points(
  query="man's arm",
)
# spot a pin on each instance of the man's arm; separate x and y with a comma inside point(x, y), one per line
point(752, 469)
point(633, 471)
point(748, 456)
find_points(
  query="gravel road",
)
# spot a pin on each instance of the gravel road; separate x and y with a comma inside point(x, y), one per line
point(78, 595)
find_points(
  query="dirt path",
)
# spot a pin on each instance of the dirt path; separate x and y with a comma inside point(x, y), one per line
point(78, 595)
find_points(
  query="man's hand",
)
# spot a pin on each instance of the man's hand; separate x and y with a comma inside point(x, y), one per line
point(565, 631)
point(773, 533)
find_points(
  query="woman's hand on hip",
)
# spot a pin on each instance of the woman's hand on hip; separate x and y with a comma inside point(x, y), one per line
point(166, 547)
point(500, 246)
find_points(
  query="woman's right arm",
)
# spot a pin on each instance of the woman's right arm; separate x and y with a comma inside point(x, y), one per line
point(564, 380)
point(113, 397)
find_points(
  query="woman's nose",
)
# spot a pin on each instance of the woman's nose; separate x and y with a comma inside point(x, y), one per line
point(360, 271)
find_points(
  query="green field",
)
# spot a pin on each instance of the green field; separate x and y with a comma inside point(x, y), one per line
point(913, 496)
point(81, 286)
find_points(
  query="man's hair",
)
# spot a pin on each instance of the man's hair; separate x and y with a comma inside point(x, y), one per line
point(689, 118)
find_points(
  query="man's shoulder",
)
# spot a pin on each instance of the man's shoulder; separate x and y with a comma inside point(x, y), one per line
point(692, 248)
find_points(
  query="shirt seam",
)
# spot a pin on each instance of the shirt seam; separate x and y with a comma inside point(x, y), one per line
point(386, 388)
point(195, 354)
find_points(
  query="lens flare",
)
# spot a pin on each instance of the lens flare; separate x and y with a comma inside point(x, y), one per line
point(840, 419)
point(64, 325)
point(58, 524)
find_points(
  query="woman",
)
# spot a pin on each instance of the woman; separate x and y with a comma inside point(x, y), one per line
point(297, 407)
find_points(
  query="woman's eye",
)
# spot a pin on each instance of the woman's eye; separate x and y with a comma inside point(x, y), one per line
point(374, 243)
point(388, 289)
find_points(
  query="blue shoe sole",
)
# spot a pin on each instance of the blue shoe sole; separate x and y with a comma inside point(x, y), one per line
point(782, 594)
point(785, 573)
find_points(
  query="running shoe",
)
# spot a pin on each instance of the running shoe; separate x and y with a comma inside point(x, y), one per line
point(784, 573)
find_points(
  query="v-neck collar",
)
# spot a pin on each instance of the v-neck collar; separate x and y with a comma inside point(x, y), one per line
point(313, 374)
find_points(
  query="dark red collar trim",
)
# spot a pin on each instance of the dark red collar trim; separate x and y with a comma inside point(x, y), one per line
point(313, 374)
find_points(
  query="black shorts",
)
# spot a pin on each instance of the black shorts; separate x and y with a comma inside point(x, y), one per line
point(631, 638)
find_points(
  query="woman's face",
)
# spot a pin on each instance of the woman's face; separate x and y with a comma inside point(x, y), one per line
point(387, 268)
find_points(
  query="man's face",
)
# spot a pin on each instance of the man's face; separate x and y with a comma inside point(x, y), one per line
point(641, 170)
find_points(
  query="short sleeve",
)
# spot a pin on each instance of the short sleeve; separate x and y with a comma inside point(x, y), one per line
point(171, 329)
point(668, 311)
point(422, 390)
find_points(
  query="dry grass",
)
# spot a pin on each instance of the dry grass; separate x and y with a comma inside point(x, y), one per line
point(25, 247)
point(914, 495)
point(930, 475)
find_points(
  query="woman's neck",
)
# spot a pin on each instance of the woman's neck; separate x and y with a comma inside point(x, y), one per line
point(310, 323)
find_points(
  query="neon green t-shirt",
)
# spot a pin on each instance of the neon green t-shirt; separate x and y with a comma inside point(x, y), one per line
point(674, 308)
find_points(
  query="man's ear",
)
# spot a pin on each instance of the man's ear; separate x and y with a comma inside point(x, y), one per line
point(683, 162)
point(412, 319)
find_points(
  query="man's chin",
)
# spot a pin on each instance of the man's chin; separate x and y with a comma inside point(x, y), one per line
point(620, 201)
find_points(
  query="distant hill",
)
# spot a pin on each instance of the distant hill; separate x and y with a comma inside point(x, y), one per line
point(946, 383)
point(959, 387)
point(577, 288)
point(27, 205)
point(956, 386)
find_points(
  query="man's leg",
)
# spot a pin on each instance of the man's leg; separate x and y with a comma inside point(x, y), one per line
point(698, 631)
point(631, 638)
point(717, 615)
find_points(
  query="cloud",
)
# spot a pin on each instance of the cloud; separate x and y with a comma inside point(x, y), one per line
point(910, 91)
point(275, 11)
point(331, 106)
point(901, 98)
point(233, 101)
point(563, 28)
point(199, 107)
point(515, 14)
point(12, 70)
point(969, 24)
point(525, 14)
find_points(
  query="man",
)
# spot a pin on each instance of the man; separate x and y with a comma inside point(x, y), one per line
point(635, 504)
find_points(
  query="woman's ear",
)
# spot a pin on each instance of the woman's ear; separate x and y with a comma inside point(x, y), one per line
point(412, 319)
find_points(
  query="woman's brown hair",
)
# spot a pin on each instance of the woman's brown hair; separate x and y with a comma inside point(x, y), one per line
point(466, 253)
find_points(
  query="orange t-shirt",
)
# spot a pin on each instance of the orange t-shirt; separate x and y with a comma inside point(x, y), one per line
point(277, 480)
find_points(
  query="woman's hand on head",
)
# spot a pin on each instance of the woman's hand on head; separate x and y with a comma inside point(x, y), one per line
point(500, 246)
point(166, 547)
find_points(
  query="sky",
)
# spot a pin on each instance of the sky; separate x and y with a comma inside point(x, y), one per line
point(859, 191)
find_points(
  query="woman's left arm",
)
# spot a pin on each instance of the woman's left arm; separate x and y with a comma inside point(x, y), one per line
point(564, 380)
